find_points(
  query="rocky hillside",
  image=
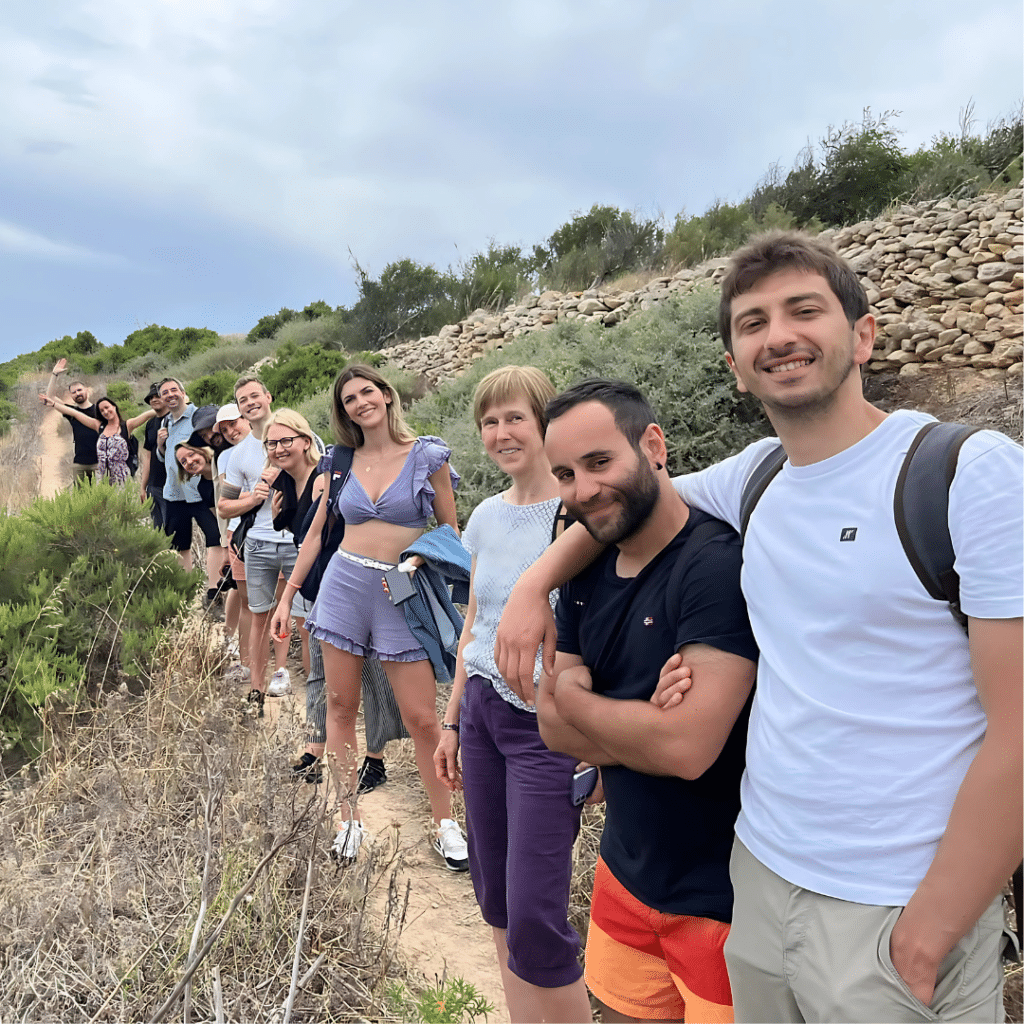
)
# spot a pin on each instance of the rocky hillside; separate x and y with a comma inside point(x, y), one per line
point(944, 280)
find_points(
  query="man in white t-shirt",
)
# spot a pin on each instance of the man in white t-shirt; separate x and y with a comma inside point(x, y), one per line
point(881, 805)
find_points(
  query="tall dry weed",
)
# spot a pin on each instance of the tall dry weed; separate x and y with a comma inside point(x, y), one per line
point(160, 863)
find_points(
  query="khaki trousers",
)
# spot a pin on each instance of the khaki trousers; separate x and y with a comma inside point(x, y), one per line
point(795, 955)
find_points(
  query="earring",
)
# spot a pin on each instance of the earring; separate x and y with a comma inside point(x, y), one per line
point(658, 466)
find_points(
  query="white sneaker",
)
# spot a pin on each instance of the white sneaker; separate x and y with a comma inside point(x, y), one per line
point(280, 683)
point(237, 674)
point(348, 841)
point(451, 844)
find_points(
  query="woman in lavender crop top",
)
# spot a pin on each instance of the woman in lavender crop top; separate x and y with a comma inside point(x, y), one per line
point(397, 482)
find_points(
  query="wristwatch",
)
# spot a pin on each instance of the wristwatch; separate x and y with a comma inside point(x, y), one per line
point(451, 727)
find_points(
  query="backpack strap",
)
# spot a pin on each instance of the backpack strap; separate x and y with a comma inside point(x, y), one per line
point(561, 522)
point(341, 464)
point(921, 509)
point(764, 473)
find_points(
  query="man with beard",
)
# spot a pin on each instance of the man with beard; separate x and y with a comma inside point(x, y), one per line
point(881, 806)
point(668, 582)
point(84, 464)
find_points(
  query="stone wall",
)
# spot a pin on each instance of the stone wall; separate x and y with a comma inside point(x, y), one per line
point(944, 280)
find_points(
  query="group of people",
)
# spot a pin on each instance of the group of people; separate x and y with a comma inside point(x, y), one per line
point(811, 768)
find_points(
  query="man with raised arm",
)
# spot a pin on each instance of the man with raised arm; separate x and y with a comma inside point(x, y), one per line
point(881, 804)
point(669, 581)
point(84, 462)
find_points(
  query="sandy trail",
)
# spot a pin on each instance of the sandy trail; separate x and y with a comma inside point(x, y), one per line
point(444, 934)
point(54, 462)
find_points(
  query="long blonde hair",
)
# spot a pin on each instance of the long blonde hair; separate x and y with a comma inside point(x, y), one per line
point(351, 434)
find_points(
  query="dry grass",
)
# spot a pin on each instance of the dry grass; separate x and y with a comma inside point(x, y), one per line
point(160, 863)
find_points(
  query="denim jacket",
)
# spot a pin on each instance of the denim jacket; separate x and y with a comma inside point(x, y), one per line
point(430, 613)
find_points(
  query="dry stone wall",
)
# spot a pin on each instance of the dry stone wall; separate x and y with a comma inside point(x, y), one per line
point(944, 280)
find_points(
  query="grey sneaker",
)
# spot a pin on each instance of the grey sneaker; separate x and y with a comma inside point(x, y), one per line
point(451, 844)
point(280, 683)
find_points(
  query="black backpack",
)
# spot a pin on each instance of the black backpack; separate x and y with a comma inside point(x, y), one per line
point(920, 506)
point(334, 525)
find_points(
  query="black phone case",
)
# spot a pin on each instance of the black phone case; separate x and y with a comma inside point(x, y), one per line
point(398, 586)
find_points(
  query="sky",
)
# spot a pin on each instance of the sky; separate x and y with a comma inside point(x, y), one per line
point(206, 162)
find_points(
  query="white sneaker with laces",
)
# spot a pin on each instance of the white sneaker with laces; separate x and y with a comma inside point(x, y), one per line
point(280, 683)
point(348, 841)
point(451, 844)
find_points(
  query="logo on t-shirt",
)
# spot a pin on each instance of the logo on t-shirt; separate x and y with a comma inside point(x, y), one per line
point(648, 621)
point(848, 533)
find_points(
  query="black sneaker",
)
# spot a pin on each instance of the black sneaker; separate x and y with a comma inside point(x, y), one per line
point(371, 775)
point(308, 769)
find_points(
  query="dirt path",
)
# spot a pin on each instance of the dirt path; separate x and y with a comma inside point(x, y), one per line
point(444, 934)
point(56, 454)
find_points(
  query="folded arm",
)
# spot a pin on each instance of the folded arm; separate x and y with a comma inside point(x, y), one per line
point(683, 740)
point(555, 731)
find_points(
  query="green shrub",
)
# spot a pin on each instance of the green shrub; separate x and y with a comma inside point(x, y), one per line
point(176, 344)
point(235, 356)
point(298, 373)
point(671, 353)
point(268, 326)
point(87, 589)
point(213, 389)
point(450, 1001)
point(330, 331)
point(596, 245)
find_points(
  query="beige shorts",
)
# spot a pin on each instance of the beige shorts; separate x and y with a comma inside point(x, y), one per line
point(80, 472)
point(795, 955)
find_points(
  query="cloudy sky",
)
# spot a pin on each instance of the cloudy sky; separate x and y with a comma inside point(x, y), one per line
point(205, 162)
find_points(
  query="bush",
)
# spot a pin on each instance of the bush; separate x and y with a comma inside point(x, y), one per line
point(174, 343)
point(235, 357)
point(596, 245)
point(671, 353)
point(87, 589)
point(213, 389)
point(299, 373)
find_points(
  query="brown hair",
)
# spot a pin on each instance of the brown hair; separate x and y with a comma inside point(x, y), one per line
point(351, 434)
point(249, 378)
point(508, 382)
point(773, 251)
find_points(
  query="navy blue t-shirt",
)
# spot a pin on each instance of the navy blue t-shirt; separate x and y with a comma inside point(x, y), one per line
point(85, 438)
point(666, 839)
point(157, 470)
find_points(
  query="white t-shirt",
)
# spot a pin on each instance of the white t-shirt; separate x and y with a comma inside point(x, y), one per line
point(248, 460)
point(865, 716)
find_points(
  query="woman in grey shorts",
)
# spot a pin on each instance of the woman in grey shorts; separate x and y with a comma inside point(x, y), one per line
point(396, 483)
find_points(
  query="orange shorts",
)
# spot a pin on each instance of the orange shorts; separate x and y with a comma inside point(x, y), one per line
point(653, 965)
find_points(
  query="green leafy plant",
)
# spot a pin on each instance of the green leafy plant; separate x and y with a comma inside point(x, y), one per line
point(87, 590)
point(450, 1001)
